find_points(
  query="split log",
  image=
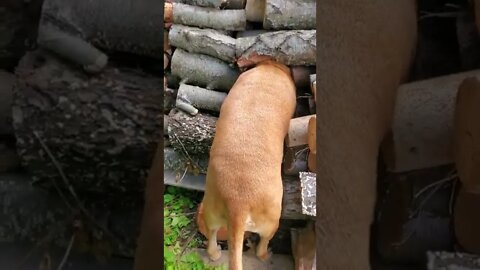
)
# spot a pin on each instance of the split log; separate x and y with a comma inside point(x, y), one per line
point(201, 98)
point(466, 135)
point(308, 183)
point(114, 25)
point(293, 48)
point(7, 81)
point(290, 14)
point(467, 221)
point(303, 247)
point(414, 215)
point(313, 85)
point(203, 70)
point(203, 41)
point(218, 4)
point(231, 20)
point(298, 131)
point(295, 160)
point(102, 129)
point(192, 135)
point(422, 131)
point(180, 163)
point(255, 10)
point(442, 260)
point(312, 162)
point(301, 75)
point(72, 48)
point(312, 134)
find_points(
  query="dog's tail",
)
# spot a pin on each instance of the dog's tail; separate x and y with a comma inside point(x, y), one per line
point(236, 233)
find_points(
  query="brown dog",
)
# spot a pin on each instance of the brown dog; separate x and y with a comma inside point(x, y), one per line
point(244, 186)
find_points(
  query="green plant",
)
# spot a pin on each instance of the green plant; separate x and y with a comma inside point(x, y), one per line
point(180, 233)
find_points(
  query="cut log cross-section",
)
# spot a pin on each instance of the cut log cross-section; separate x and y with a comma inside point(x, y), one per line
point(231, 20)
point(298, 131)
point(255, 10)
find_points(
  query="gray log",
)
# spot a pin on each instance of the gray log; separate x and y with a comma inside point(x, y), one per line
point(296, 47)
point(7, 80)
point(201, 98)
point(103, 129)
point(203, 70)
point(203, 41)
point(442, 260)
point(233, 20)
point(290, 14)
point(255, 10)
point(72, 48)
point(191, 135)
point(116, 25)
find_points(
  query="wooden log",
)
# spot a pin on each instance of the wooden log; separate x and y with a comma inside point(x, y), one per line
point(303, 247)
point(7, 81)
point(166, 43)
point(413, 215)
point(298, 131)
point(312, 162)
point(114, 25)
point(295, 160)
point(255, 10)
point(192, 135)
point(288, 47)
point(443, 260)
point(313, 85)
point(467, 221)
point(301, 75)
point(102, 129)
point(231, 20)
point(186, 107)
point(203, 70)
point(466, 135)
point(218, 4)
point(308, 183)
point(422, 131)
point(290, 14)
point(203, 41)
point(251, 33)
point(72, 48)
point(312, 134)
point(201, 98)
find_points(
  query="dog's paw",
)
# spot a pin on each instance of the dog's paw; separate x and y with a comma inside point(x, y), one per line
point(215, 254)
point(265, 256)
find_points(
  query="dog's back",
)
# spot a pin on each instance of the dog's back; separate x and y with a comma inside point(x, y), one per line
point(244, 186)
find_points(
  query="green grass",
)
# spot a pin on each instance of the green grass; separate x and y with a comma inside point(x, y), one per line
point(181, 231)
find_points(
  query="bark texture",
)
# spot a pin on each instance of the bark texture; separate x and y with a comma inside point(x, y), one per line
point(290, 14)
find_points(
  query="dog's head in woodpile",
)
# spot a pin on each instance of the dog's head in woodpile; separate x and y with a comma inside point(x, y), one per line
point(244, 188)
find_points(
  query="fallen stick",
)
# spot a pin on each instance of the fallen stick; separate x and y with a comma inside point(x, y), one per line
point(203, 41)
point(255, 10)
point(192, 135)
point(466, 135)
point(203, 70)
point(443, 260)
point(7, 81)
point(298, 131)
point(114, 25)
point(72, 48)
point(293, 48)
point(422, 131)
point(312, 134)
point(232, 20)
point(290, 14)
point(201, 98)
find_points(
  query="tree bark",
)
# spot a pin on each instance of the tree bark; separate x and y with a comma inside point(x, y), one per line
point(102, 129)
point(201, 98)
point(295, 48)
point(115, 25)
point(203, 41)
point(255, 10)
point(290, 14)
point(203, 70)
point(191, 135)
point(7, 81)
point(231, 20)
point(422, 130)
point(308, 182)
point(466, 135)
point(72, 48)
point(179, 162)
point(442, 260)
point(298, 131)
point(218, 4)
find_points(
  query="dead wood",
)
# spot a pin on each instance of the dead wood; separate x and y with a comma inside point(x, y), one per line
point(298, 131)
point(201, 98)
point(290, 14)
point(231, 20)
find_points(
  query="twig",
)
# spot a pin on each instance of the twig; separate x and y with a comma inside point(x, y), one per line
point(72, 191)
point(67, 253)
point(190, 237)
